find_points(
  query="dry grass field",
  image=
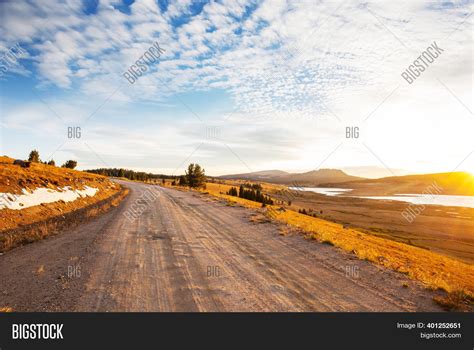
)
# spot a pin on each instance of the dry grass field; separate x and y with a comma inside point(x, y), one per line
point(14, 179)
point(435, 270)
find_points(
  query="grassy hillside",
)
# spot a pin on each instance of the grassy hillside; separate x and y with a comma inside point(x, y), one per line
point(434, 270)
point(456, 183)
point(310, 178)
point(15, 179)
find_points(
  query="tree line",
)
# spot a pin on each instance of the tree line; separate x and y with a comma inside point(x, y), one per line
point(129, 174)
point(194, 176)
point(251, 192)
point(34, 157)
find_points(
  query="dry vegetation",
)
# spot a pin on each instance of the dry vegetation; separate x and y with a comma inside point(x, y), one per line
point(455, 301)
point(434, 270)
point(220, 190)
point(34, 223)
point(14, 178)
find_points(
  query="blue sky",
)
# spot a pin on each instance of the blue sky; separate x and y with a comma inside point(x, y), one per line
point(241, 85)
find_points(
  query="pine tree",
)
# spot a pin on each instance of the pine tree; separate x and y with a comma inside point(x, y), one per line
point(195, 176)
point(34, 156)
point(70, 164)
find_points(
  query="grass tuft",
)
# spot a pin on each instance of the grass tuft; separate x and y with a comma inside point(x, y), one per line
point(458, 300)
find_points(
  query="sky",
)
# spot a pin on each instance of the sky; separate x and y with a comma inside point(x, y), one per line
point(239, 85)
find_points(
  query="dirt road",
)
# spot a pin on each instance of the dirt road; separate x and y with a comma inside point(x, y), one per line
point(189, 252)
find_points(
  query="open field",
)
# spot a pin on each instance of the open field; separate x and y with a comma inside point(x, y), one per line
point(435, 270)
point(445, 230)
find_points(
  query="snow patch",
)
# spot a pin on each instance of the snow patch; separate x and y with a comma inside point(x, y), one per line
point(43, 195)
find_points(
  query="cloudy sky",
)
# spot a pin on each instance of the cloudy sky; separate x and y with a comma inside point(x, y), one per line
point(240, 85)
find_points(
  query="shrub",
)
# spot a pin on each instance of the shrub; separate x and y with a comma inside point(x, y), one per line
point(195, 176)
point(182, 180)
point(455, 301)
point(232, 192)
point(34, 156)
point(70, 164)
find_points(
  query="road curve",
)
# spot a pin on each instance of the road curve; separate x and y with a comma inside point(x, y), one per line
point(190, 252)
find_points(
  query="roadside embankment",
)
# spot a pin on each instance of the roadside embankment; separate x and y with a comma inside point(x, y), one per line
point(41, 200)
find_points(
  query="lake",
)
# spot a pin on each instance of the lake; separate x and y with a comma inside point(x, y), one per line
point(439, 199)
point(328, 191)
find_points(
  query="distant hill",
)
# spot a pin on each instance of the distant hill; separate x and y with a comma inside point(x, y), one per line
point(456, 183)
point(310, 178)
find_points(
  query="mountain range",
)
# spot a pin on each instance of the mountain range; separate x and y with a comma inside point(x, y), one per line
point(455, 183)
point(310, 178)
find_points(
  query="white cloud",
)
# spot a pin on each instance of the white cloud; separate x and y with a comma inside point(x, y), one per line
point(286, 66)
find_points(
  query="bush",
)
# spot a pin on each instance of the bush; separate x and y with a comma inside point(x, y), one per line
point(52, 162)
point(250, 194)
point(182, 181)
point(34, 156)
point(457, 300)
point(70, 164)
point(195, 176)
point(232, 192)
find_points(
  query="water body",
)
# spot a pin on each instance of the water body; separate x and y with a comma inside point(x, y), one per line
point(425, 199)
point(435, 199)
point(328, 191)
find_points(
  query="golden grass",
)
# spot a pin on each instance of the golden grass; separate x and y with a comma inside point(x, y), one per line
point(219, 190)
point(455, 301)
point(6, 309)
point(14, 179)
point(434, 270)
point(47, 224)
point(267, 187)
